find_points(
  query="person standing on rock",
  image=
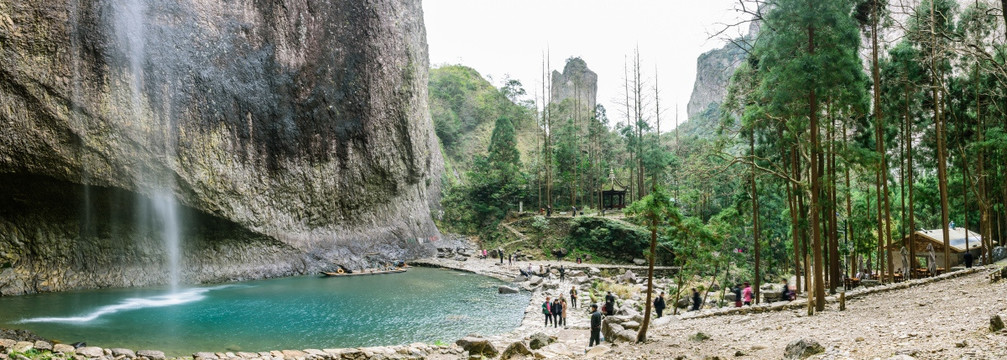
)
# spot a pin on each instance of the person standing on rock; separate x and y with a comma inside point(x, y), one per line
point(557, 312)
point(747, 294)
point(547, 311)
point(737, 295)
point(562, 273)
point(501, 253)
point(562, 315)
point(573, 296)
point(659, 305)
point(696, 300)
point(595, 326)
point(609, 304)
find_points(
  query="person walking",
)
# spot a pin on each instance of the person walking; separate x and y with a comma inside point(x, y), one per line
point(609, 304)
point(746, 294)
point(595, 326)
point(562, 316)
point(573, 296)
point(547, 311)
point(696, 300)
point(785, 293)
point(510, 260)
point(501, 253)
point(557, 312)
point(562, 273)
point(659, 305)
point(737, 295)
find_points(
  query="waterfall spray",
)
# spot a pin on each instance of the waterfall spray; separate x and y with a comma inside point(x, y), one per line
point(130, 27)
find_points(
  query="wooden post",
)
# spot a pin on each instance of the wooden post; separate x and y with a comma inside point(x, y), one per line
point(842, 301)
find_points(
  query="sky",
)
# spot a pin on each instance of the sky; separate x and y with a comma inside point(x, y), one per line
point(508, 38)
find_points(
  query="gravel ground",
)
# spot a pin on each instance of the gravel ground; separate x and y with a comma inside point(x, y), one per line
point(942, 320)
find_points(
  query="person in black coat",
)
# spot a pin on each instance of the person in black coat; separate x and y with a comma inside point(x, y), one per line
point(967, 258)
point(696, 300)
point(659, 305)
point(737, 295)
point(562, 273)
point(595, 326)
point(557, 312)
point(609, 304)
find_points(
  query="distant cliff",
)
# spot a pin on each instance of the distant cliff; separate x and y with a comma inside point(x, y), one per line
point(291, 135)
point(713, 73)
point(575, 82)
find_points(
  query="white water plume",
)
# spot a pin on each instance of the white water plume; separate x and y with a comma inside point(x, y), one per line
point(170, 299)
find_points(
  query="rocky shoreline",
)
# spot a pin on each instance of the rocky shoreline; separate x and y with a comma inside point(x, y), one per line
point(531, 339)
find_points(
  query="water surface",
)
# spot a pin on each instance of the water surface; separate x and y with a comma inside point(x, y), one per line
point(425, 305)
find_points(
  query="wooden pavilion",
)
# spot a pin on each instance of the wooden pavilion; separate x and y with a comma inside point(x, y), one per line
point(920, 239)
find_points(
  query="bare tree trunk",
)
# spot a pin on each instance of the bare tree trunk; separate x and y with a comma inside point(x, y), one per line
point(834, 275)
point(942, 155)
point(794, 225)
point(755, 216)
point(642, 335)
point(816, 233)
point(909, 175)
point(849, 206)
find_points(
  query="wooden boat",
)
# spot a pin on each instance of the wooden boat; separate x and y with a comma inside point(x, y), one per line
point(361, 273)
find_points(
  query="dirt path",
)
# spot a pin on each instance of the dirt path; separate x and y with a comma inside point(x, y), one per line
point(941, 320)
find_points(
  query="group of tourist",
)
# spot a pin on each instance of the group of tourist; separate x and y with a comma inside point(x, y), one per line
point(555, 311)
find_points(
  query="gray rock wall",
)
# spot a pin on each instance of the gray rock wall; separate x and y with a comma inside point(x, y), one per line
point(295, 134)
point(576, 81)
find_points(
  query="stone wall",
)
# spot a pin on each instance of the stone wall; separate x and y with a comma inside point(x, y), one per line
point(298, 128)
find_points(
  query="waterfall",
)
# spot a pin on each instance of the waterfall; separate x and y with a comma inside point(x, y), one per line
point(130, 29)
point(86, 221)
point(166, 210)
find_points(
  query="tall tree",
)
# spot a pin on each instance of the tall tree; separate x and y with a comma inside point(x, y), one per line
point(810, 48)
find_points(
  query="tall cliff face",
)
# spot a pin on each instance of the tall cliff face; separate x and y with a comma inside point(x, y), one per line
point(291, 134)
point(575, 82)
point(713, 73)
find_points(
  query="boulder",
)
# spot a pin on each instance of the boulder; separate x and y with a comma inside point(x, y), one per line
point(587, 257)
point(22, 346)
point(996, 323)
point(43, 345)
point(729, 297)
point(536, 280)
point(64, 349)
point(92, 352)
point(293, 354)
point(477, 346)
point(560, 252)
point(126, 353)
point(540, 340)
point(503, 289)
point(207, 356)
point(515, 349)
point(639, 261)
point(800, 349)
point(151, 354)
point(628, 277)
point(6, 344)
point(683, 303)
point(632, 325)
point(594, 271)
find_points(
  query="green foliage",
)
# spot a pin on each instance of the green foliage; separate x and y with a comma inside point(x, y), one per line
point(492, 188)
point(540, 223)
point(609, 238)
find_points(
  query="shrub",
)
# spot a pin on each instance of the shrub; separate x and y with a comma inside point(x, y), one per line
point(608, 238)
